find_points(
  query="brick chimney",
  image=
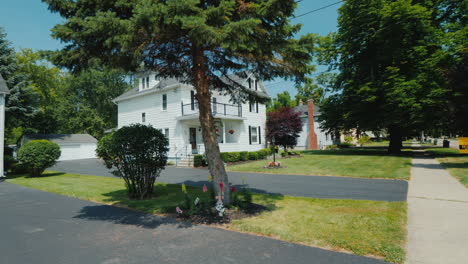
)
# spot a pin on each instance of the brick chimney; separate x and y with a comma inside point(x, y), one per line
point(312, 137)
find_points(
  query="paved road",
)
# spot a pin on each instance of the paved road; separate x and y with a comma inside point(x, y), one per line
point(295, 185)
point(46, 228)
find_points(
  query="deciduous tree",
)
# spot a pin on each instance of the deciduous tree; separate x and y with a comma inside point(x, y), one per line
point(284, 126)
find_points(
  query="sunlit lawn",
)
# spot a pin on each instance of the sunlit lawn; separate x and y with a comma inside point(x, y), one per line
point(454, 161)
point(370, 228)
point(360, 162)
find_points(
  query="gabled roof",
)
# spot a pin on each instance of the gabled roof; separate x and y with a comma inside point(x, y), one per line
point(303, 109)
point(136, 91)
point(3, 86)
point(165, 83)
point(62, 138)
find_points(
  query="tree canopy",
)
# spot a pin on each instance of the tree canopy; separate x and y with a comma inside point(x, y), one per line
point(284, 126)
point(199, 42)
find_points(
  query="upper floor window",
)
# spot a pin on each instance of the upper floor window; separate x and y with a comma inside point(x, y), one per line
point(164, 101)
point(192, 99)
point(166, 133)
point(256, 85)
point(143, 117)
point(215, 105)
point(250, 83)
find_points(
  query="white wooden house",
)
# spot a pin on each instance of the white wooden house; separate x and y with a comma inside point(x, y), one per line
point(170, 106)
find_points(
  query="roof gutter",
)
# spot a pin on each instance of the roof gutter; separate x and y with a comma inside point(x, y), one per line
point(177, 85)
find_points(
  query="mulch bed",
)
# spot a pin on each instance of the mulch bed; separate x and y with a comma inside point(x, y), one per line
point(229, 215)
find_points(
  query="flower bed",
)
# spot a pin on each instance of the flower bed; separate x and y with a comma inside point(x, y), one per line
point(274, 165)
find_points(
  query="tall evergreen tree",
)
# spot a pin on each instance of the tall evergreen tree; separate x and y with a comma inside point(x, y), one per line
point(389, 76)
point(200, 42)
point(21, 103)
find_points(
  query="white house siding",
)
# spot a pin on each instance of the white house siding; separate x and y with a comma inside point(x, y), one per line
point(130, 112)
point(303, 139)
point(323, 139)
point(77, 151)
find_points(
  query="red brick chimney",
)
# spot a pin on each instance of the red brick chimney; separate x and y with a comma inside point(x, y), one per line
point(312, 137)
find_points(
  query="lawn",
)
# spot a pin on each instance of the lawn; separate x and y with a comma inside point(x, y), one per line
point(454, 161)
point(370, 228)
point(359, 162)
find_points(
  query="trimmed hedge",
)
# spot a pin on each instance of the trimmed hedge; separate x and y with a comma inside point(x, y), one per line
point(253, 156)
point(198, 160)
point(38, 155)
point(244, 155)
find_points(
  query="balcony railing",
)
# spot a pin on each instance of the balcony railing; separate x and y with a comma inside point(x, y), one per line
point(216, 109)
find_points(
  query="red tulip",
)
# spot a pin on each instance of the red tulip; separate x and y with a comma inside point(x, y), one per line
point(233, 188)
point(221, 186)
point(205, 189)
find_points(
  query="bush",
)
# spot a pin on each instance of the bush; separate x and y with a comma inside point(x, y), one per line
point(198, 160)
point(364, 140)
point(345, 145)
point(284, 154)
point(242, 198)
point(262, 154)
point(348, 139)
point(139, 154)
point(18, 168)
point(253, 156)
point(331, 147)
point(38, 155)
point(8, 161)
point(244, 155)
point(230, 156)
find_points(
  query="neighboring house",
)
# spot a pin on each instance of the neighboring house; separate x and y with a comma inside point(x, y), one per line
point(312, 136)
point(3, 93)
point(171, 106)
point(72, 146)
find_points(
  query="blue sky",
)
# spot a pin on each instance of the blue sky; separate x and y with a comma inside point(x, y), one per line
point(28, 23)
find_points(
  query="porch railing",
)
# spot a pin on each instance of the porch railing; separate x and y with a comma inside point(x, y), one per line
point(216, 109)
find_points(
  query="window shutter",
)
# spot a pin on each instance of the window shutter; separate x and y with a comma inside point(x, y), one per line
point(250, 135)
point(250, 107)
point(259, 135)
point(256, 105)
point(192, 100)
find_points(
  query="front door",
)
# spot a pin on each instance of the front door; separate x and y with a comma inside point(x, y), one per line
point(193, 139)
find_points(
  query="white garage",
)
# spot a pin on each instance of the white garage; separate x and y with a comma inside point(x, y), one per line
point(73, 146)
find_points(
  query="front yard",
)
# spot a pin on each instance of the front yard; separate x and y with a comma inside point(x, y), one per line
point(367, 228)
point(359, 162)
point(454, 161)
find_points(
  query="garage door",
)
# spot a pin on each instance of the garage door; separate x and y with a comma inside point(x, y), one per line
point(77, 151)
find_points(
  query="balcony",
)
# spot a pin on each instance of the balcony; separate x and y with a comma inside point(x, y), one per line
point(219, 110)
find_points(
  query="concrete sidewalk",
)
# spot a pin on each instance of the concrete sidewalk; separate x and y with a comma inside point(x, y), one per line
point(437, 215)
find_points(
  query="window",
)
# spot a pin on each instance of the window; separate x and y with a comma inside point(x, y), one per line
point(143, 117)
point(253, 134)
point(164, 101)
point(215, 105)
point(256, 85)
point(147, 82)
point(251, 106)
point(250, 83)
point(256, 106)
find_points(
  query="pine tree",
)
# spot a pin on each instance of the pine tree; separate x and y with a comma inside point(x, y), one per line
point(21, 103)
point(200, 42)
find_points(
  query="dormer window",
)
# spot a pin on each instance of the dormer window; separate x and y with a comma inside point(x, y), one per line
point(250, 83)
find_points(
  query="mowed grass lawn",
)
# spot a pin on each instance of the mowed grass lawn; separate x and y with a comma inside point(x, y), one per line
point(369, 228)
point(359, 162)
point(454, 161)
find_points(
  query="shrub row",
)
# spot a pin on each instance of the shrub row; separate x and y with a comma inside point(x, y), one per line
point(199, 160)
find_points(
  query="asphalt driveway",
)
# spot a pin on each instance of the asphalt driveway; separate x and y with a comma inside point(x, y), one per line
point(45, 228)
point(294, 185)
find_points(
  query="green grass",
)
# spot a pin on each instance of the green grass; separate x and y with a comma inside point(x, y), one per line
point(367, 228)
point(361, 162)
point(454, 161)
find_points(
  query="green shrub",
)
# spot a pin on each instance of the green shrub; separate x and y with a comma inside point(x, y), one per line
point(284, 154)
point(253, 156)
point(345, 145)
point(198, 160)
point(38, 155)
point(8, 161)
point(230, 156)
point(364, 140)
point(139, 154)
point(225, 156)
point(103, 146)
point(348, 139)
point(244, 155)
point(331, 147)
point(262, 154)
point(242, 198)
point(18, 168)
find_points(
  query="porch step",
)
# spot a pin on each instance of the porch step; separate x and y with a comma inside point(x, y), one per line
point(186, 162)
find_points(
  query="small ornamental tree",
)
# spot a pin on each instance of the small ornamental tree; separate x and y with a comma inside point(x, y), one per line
point(284, 126)
point(38, 155)
point(139, 154)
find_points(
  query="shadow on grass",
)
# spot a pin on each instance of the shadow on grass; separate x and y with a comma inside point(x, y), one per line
point(44, 175)
point(361, 151)
point(124, 216)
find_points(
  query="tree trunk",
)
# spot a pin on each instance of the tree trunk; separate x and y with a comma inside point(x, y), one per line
point(210, 139)
point(396, 139)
